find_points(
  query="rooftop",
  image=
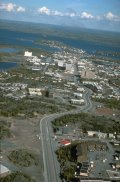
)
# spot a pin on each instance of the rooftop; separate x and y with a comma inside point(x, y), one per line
point(3, 169)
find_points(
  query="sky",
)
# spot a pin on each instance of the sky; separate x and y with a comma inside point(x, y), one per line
point(95, 14)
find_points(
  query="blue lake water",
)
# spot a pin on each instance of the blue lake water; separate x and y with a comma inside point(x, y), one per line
point(4, 66)
point(8, 50)
point(28, 40)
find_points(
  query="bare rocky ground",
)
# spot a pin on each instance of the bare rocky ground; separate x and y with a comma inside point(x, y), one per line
point(104, 111)
point(25, 135)
point(108, 112)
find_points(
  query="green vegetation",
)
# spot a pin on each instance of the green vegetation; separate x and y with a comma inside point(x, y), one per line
point(23, 75)
point(67, 158)
point(4, 129)
point(88, 122)
point(29, 107)
point(64, 154)
point(23, 158)
point(68, 173)
point(17, 177)
point(111, 103)
point(114, 81)
point(93, 88)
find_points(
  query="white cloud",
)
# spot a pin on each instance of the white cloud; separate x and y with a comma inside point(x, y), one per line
point(20, 9)
point(86, 15)
point(10, 7)
point(110, 16)
point(57, 13)
point(44, 10)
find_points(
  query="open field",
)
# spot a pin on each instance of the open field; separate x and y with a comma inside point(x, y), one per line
point(24, 136)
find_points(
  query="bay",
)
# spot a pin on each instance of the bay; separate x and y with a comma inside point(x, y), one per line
point(8, 50)
point(4, 66)
point(91, 41)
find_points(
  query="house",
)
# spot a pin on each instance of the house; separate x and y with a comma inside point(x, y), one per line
point(111, 135)
point(65, 142)
point(91, 133)
point(95, 133)
point(4, 171)
point(38, 91)
point(77, 95)
point(84, 172)
point(116, 143)
point(102, 135)
point(80, 89)
point(85, 167)
point(118, 165)
point(76, 101)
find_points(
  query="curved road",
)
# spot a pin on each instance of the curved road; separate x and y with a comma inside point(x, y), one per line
point(51, 164)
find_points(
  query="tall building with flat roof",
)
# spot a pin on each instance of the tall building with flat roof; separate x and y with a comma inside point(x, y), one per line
point(28, 54)
point(77, 76)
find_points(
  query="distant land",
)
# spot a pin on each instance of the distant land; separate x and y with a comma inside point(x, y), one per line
point(87, 39)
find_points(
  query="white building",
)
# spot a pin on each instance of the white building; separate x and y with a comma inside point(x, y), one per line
point(91, 133)
point(60, 63)
point(76, 101)
point(28, 54)
point(35, 91)
point(80, 89)
point(78, 95)
point(99, 134)
point(69, 67)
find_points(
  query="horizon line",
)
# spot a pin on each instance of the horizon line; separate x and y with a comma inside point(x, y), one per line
point(60, 25)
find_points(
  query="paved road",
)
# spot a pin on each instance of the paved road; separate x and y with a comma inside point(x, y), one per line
point(51, 165)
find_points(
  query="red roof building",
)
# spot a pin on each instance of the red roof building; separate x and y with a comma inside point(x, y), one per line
point(65, 142)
